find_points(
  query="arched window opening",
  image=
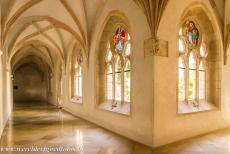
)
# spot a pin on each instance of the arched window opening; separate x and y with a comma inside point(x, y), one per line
point(76, 77)
point(117, 64)
point(191, 65)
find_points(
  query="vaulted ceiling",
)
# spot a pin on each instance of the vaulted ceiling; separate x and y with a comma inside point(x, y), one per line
point(46, 27)
point(50, 27)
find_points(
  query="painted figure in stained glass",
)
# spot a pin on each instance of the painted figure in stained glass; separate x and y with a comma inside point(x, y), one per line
point(119, 38)
point(192, 34)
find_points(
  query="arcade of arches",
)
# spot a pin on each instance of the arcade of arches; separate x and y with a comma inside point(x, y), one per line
point(116, 76)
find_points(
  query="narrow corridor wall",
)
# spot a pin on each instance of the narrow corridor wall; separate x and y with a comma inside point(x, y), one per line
point(29, 84)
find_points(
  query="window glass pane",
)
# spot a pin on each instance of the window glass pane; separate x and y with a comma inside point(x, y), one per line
point(127, 79)
point(78, 82)
point(181, 84)
point(192, 85)
point(110, 86)
point(127, 91)
point(80, 86)
point(109, 70)
point(180, 32)
point(180, 63)
point(181, 46)
point(118, 86)
point(203, 50)
point(128, 49)
point(109, 55)
point(80, 71)
point(201, 84)
point(118, 80)
point(128, 66)
point(128, 37)
point(109, 83)
point(76, 85)
point(118, 65)
point(192, 61)
point(201, 66)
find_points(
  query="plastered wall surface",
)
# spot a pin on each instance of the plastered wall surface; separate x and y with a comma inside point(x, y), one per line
point(154, 120)
point(30, 85)
point(132, 126)
point(168, 125)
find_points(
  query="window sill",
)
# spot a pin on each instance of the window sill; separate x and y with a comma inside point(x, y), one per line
point(120, 107)
point(77, 100)
point(190, 107)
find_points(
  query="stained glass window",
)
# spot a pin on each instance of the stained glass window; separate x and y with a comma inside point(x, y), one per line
point(119, 39)
point(118, 64)
point(191, 33)
point(191, 63)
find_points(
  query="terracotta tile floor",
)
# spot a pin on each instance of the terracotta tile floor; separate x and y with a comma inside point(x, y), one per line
point(45, 126)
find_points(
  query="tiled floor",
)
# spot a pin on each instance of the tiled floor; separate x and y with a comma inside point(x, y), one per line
point(217, 142)
point(45, 126)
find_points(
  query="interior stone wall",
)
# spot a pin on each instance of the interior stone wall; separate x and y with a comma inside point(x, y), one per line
point(30, 84)
point(106, 37)
point(132, 126)
point(169, 126)
point(154, 120)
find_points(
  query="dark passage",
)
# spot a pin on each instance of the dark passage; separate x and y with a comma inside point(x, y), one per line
point(29, 84)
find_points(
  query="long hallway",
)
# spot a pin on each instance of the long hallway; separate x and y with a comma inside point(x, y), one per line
point(46, 126)
point(116, 76)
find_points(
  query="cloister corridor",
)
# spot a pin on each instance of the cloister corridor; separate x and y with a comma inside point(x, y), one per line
point(115, 76)
point(43, 125)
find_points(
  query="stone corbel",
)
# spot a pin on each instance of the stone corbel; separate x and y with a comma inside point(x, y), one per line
point(155, 47)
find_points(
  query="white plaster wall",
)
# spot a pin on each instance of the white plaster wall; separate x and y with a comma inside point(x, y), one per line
point(138, 126)
point(168, 125)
